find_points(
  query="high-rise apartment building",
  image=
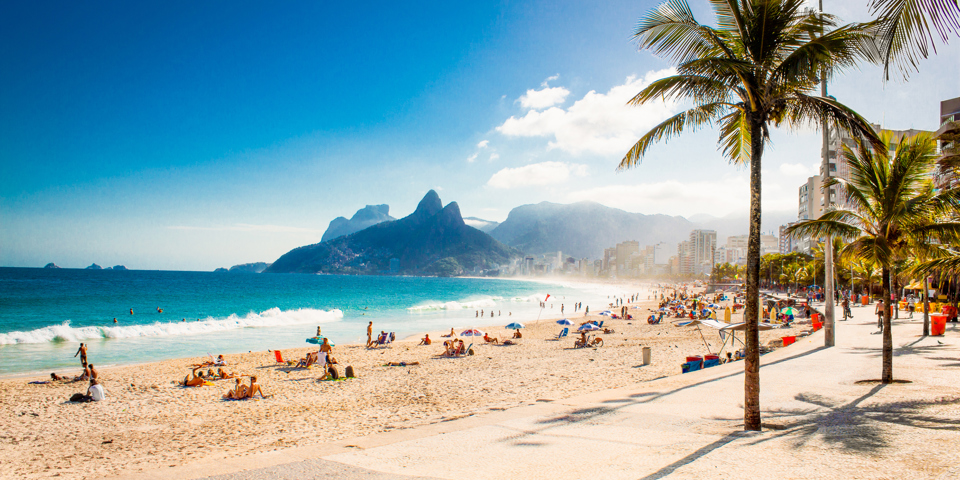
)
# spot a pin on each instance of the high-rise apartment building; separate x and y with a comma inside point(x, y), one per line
point(949, 119)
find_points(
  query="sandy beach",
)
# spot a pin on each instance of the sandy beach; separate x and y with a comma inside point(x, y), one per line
point(148, 421)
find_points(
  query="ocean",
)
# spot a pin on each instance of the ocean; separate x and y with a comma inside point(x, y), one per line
point(46, 313)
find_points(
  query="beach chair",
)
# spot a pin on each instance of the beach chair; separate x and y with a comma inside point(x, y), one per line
point(564, 332)
point(278, 356)
point(601, 324)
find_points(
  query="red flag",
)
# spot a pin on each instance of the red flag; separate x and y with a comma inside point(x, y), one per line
point(548, 297)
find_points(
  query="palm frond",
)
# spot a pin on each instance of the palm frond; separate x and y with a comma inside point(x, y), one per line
point(693, 118)
point(670, 30)
point(908, 30)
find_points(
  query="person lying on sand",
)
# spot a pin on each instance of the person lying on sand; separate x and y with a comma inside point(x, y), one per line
point(450, 335)
point(509, 342)
point(487, 338)
point(401, 364)
point(54, 376)
point(193, 379)
point(224, 375)
point(426, 340)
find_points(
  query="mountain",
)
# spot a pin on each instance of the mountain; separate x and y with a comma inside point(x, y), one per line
point(485, 226)
point(256, 267)
point(116, 267)
point(94, 266)
point(365, 217)
point(584, 229)
point(432, 240)
point(51, 265)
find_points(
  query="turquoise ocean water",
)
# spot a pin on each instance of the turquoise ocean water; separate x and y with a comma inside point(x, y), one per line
point(46, 313)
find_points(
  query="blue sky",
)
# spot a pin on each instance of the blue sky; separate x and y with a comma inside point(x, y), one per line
point(202, 134)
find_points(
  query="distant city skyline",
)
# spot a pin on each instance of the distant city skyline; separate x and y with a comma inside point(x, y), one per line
point(196, 136)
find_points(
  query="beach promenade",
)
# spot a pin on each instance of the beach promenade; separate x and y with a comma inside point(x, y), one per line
point(818, 423)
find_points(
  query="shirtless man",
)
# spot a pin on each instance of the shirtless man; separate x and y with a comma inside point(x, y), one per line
point(325, 351)
point(83, 355)
point(426, 340)
point(253, 389)
point(92, 372)
point(369, 333)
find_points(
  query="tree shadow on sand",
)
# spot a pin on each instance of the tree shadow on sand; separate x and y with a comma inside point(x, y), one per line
point(852, 427)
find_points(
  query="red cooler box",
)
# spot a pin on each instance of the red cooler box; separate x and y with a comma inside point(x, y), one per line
point(938, 324)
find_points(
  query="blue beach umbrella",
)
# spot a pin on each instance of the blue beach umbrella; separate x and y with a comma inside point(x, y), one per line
point(515, 325)
point(564, 322)
point(588, 328)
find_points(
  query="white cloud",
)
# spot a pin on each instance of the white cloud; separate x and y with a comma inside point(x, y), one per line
point(537, 174)
point(549, 79)
point(471, 158)
point(599, 123)
point(543, 98)
point(730, 194)
point(494, 156)
point(483, 144)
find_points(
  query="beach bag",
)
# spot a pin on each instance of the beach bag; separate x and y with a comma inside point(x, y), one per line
point(349, 372)
point(79, 397)
point(470, 352)
point(334, 374)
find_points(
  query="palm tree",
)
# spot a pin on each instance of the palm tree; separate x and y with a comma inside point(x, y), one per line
point(906, 29)
point(894, 207)
point(757, 69)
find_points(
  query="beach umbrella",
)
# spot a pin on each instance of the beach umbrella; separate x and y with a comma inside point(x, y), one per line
point(473, 332)
point(589, 327)
point(713, 305)
point(788, 311)
point(661, 309)
point(515, 325)
point(564, 322)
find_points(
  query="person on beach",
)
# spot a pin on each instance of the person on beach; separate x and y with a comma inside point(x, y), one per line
point(451, 334)
point(193, 379)
point(369, 333)
point(83, 355)
point(425, 340)
point(238, 392)
point(220, 361)
point(487, 338)
point(95, 393)
point(254, 388)
point(114, 319)
point(131, 311)
point(516, 334)
point(92, 372)
point(325, 351)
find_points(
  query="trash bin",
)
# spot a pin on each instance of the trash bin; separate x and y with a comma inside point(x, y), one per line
point(789, 340)
point(938, 324)
point(646, 355)
point(864, 300)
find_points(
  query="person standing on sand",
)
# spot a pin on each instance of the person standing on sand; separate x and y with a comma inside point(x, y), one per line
point(83, 355)
point(561, 309)
point(369, 333)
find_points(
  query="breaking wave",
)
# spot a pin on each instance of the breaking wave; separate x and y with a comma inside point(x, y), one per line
point(473, 304)
point(270, 318)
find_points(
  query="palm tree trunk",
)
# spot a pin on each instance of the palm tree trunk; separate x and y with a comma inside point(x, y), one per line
point(887, 375)
point(751, 362)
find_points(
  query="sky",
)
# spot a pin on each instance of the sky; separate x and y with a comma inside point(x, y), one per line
point(196, 135)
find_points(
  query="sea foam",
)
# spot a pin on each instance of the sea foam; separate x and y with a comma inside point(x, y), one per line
point(270, 318)
point(473, 304)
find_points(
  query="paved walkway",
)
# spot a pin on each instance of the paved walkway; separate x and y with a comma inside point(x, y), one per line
point(818, 423)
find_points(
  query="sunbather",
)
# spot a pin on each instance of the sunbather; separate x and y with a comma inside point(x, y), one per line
point(426, 340)
point(253, 389)
point(516, 334)
point(238, 392)
point(487, 338)
point(401, 364)
point(450, 335)
point(193, 379)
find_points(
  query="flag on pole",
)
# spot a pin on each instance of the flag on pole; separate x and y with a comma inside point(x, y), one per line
point(548, 297)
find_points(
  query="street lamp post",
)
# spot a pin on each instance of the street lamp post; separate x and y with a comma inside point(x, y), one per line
point(829, 336)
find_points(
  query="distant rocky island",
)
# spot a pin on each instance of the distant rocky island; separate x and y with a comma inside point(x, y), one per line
point(51, 265)
point(433, 240)
point(116, 267)
point(255, 267)
point(94, 266)
point(365, 217)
